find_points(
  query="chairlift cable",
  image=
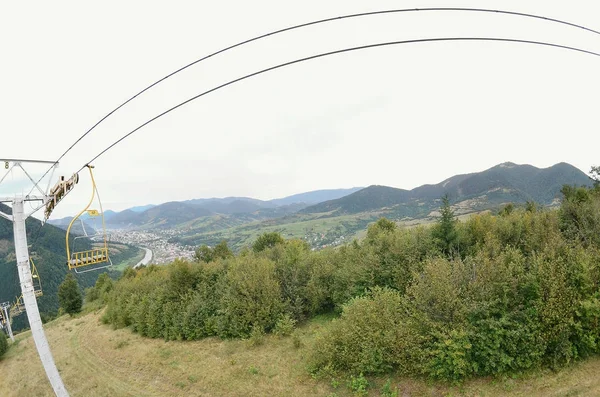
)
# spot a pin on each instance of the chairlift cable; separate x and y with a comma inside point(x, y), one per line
point(325, 54)
point(317, 22)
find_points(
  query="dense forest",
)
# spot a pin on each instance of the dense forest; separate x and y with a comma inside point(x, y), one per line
point(495, 294)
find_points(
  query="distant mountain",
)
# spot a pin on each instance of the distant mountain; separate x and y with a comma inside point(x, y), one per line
point(125, 218)
point(507, 182)
point(80, 227)
point(173, 213)
point(231, 205)
point(235, 209)
point(315, 197)
point(140, 208)
point(164, 215)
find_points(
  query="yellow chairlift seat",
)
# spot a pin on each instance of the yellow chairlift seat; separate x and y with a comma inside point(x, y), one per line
point(18, 308)
point(37, 282)
point(94, 256)
point(86, 258)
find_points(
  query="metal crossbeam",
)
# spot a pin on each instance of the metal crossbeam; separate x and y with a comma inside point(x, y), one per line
point(28, 161)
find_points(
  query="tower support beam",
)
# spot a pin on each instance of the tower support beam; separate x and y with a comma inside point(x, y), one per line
point(29, 299)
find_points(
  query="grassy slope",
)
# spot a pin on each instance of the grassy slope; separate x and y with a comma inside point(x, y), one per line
point(297, 226)
point(94, 360)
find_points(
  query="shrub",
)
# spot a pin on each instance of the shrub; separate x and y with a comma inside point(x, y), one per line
point(450, 356)
point(257, 336)
point(358, 385)
point(284, 326)
point(387, 390)
point(374, 335)
point(3, 343)
point(251, 297)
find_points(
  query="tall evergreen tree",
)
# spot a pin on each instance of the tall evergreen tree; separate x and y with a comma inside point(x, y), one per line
point(445, 231)
point(69, 295)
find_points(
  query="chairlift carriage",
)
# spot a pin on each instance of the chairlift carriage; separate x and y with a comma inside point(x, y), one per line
point(18, 307)
point(37, 282)
point(3, 320)
point(98, 255)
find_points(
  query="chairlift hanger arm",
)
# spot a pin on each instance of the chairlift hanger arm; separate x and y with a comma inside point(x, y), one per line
point(80, 213)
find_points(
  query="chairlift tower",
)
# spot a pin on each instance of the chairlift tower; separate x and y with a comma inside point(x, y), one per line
point(4, 309)
point(36, 201)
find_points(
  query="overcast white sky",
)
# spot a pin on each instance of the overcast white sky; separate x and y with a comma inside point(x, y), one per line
point(399, 116)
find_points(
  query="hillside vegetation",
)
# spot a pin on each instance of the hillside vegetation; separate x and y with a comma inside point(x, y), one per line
point(489, 296)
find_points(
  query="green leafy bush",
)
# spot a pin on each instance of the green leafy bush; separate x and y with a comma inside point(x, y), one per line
point(358, 385)
point(3, 343)
point(251, 297)
point(284, 326)
point(373, 335)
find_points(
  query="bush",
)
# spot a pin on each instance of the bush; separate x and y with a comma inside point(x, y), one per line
point(450, 356)
point(3, 343)
point(100, 290)
point(284, 326)
point(358, 385)
point(251, 297)
point(257, 336)
point(374, 335)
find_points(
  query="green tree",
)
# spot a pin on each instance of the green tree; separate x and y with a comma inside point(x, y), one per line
point(580, 214)
point(530, 206)
point(267, 240)
point(206, 254)
point(222, 251)
point(445, 231)
point(3, 344)
point(507, 209)
point(69, 295)
point(595, 175)
point(382, 226)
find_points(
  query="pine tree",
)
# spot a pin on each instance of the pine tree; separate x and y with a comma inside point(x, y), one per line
point(69, 295)
point(445, 230)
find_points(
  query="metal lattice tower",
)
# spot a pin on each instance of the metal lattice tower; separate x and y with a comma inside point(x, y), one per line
point(18, 217)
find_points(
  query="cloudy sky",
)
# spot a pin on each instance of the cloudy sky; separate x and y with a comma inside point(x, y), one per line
point(399, 116)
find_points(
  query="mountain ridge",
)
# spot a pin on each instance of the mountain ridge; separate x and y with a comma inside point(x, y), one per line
point(506, 182)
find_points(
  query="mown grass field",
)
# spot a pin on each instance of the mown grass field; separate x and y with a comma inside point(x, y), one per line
point(96, 360)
